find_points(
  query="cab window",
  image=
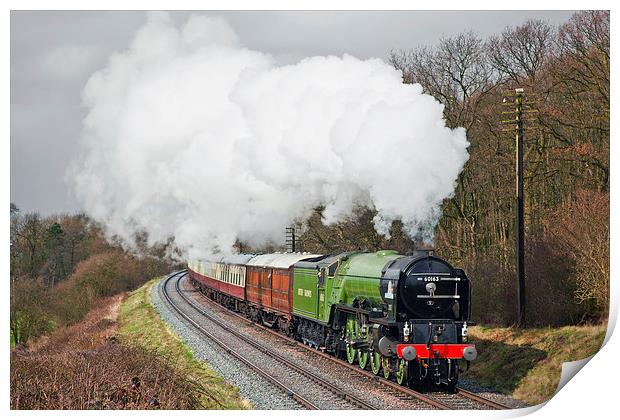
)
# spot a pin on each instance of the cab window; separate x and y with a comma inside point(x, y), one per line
point(332, 269)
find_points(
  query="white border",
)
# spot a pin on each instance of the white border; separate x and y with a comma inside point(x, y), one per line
point(592, 393)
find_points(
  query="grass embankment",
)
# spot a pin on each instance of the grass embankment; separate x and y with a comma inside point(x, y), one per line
point(119, 356)
point(141, 325)
point(527, 364)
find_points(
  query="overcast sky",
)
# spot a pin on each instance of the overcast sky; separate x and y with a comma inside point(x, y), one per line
point(54, 53)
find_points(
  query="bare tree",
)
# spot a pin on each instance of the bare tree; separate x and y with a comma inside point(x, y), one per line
point(456, 72)
point(521, 53)
point(29, 237)
point(576, 106)
point(584, 41)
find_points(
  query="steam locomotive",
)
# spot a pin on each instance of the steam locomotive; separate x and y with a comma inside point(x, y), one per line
point(403, 317)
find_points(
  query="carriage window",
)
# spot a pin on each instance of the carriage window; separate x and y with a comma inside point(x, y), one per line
point(333, 268)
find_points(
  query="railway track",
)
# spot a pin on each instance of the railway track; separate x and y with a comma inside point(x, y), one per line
point(438, 400)
point(329, 396)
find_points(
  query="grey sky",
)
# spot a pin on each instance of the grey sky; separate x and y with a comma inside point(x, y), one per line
point(54, 53)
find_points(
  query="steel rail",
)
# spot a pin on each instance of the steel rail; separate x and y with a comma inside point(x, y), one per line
point(296, 396)
point(393, 385)
point(303, 371)
point(490, 403)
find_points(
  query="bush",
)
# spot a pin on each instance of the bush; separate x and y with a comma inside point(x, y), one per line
point(37, 308)
point(550, 285)
point(100, 378)
point(493, 292)
point(28, 313)
point(99, 276)
point(581, 232)
point(90, 365)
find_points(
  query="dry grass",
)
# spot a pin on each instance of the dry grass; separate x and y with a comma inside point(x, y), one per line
point(98, 325)
point(140, 325)
point(527, 363)
point(110, 376)
point(98, 364)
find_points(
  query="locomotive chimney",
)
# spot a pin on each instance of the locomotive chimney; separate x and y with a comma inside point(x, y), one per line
point(428, 250)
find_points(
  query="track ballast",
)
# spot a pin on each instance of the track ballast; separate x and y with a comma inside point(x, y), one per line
point(364, 390)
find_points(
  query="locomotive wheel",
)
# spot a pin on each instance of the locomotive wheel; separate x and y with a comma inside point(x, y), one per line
point(452, 382)
point(351, 354)
point(387, 371)
point(350, 335)
point(402, 369)
point(362, 358)
point(375, 362)
point(362, 354)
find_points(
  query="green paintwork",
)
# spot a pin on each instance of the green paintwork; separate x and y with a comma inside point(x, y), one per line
point(306, 293)
point(357, 276)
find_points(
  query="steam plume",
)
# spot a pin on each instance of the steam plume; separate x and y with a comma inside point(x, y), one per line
point(191, 135)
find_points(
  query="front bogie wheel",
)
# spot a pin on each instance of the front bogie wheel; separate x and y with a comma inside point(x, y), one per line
point(402, 371)
point(387, 369)
point(453, 381)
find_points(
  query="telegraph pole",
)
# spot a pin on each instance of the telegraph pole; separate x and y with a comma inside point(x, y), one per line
point(523, 107)
point(520, 227)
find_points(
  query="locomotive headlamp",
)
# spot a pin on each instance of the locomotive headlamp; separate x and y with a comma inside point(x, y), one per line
point(470, 353)
point(430, 288)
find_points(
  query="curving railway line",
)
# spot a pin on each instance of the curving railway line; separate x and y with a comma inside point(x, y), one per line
point(273, 367)
point(305, 374)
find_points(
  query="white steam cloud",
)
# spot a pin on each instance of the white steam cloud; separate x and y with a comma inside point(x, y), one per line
point(193, 136)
